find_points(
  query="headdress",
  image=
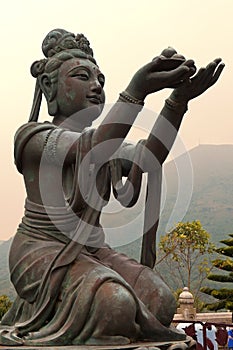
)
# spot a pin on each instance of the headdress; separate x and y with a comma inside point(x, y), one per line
point(59, 40)
point(56, 41)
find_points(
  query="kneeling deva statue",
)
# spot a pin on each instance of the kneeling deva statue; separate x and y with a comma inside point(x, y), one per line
point(72, 288)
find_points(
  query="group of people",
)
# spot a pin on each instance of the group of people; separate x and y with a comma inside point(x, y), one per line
point(72, 288)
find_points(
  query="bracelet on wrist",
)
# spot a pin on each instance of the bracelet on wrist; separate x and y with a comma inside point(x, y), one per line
point(173, 105)
point(126, 97)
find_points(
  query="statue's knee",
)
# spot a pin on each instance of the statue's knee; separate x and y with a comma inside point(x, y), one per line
point(156, 295)
point(167, 296)
point(116, 298)
point(118, 311)
point(163, 305)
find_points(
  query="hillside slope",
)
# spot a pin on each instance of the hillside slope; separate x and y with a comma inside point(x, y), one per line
point(212, 195)
point(197, 186)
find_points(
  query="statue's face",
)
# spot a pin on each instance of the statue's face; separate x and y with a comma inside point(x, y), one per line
point(80, 86)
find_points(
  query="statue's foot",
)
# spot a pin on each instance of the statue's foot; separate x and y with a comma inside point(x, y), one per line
point(108, 340)
point(171, 334)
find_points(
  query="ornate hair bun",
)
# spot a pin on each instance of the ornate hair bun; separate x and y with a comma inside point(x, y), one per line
point(59, 39)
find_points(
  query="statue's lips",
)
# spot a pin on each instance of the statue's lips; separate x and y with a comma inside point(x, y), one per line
point(94, 99)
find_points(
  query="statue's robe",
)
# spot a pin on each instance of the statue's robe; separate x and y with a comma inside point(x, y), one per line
point(59, 261)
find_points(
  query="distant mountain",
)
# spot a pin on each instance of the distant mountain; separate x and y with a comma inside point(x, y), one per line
point(212, 195)
point(197, 186)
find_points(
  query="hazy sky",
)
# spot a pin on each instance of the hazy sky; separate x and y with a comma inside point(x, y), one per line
point(124, 34)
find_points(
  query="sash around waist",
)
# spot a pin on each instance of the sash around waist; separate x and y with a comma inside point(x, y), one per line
point(60, 220)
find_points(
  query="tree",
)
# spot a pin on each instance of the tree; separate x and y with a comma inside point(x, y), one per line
point(224, 295)
point(186, 251)
point(5, 304)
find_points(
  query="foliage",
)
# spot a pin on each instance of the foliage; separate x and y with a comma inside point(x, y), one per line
point(226, 264)
point(224, 296)
point(177, 293)
point(221, 278)
point(186, 250)
point(5, 304)
point(199, 304)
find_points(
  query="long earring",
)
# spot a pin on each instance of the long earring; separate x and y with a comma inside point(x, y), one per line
point(36, 103)
point(52, 107)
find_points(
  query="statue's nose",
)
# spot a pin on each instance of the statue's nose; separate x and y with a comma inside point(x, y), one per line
point(96, 86)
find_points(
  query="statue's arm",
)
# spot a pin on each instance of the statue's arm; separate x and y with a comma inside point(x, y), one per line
point(165, 129)
point(162, 72)
point(109, 136)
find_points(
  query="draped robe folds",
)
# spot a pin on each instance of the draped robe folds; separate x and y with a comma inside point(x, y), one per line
point(59, 261)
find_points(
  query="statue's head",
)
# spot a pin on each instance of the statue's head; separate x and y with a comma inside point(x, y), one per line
point(68, 77)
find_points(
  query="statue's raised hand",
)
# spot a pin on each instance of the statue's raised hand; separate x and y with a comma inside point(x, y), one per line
point(195, 86)
point(162, 72)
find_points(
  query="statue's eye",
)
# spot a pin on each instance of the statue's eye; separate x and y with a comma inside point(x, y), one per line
point(80, 74)
point(83, 76)
point(101, 80)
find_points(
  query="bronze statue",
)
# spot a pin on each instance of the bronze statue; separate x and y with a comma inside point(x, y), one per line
point(72, 288)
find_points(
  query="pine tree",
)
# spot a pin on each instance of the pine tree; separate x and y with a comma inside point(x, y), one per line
point(224, 295)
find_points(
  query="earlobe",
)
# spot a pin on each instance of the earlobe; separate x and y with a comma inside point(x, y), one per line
point(46, 85)
point(49, 90)
point(52, 107)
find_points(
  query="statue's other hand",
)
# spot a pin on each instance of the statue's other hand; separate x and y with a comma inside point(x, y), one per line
point(199, 83)
point(161, 72)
